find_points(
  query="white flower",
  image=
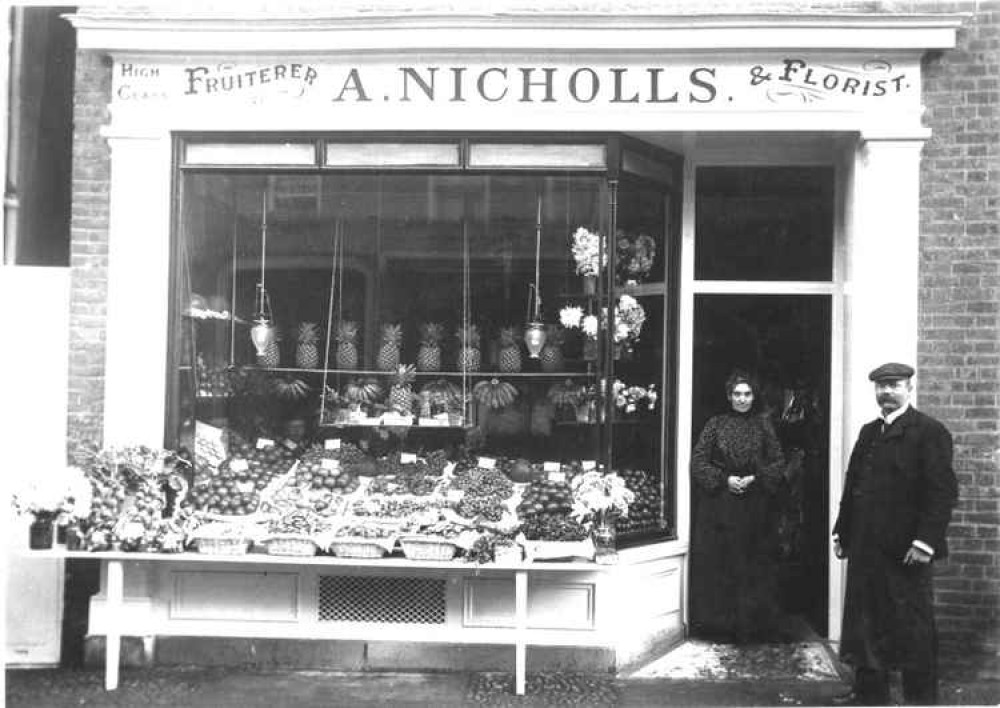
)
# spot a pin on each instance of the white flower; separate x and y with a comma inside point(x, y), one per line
point(589, 325)
point(627, 302)
point(586, 252)
point(571, 316)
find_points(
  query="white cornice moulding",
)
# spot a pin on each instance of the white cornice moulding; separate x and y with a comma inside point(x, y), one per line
point(164, 31)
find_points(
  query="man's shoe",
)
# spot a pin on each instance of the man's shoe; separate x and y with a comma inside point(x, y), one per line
point(849, 698)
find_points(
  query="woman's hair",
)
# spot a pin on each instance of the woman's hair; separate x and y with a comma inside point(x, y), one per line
point(739, 376)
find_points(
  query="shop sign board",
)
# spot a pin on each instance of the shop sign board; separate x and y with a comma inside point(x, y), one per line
point(525, 86)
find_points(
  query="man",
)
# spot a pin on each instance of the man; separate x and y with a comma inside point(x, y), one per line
point(898, 496)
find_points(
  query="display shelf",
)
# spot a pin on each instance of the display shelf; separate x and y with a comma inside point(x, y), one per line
point(425, 374)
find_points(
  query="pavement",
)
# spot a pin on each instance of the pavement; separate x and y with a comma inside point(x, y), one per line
point(694, 674)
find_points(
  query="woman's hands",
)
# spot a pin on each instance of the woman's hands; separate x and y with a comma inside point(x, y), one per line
point(739, 485)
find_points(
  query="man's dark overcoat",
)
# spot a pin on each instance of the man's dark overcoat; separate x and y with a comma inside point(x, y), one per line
point(900, 487)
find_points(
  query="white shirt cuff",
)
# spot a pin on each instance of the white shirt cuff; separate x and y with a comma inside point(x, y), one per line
point(923, 547)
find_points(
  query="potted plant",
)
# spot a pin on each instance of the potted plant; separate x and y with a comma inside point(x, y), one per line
point(61, 496)
point(599, 499)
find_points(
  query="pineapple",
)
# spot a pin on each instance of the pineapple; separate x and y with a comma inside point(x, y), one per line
point(429, 354)
point(271, 358)
point(388, 352)
point(510, 351)
point(469, 356)
point(307, 351)
point(347, 348)
point(401, 393)
point(551, 356)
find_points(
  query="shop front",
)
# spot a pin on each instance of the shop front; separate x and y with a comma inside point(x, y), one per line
point(523, 247)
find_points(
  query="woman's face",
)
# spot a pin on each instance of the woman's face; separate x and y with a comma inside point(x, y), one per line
point(741, 398)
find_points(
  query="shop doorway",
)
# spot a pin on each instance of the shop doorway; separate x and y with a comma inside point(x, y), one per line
point(785, 341)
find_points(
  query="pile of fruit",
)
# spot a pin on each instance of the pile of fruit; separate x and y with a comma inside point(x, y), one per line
point(486, 493)
point(545, 499)
point(644, 512)
point(546, 527)
point(397, 477)
point(319, 470)
point(299, 522)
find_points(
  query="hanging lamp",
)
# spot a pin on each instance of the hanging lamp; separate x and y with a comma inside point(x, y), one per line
point(262, 333)
point(534, 330)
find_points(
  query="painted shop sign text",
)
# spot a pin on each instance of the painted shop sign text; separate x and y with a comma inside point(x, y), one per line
point(783, 80)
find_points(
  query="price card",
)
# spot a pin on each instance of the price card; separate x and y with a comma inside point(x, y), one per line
point(329, 464)
point(263, 443)
point(487, 463)
point(239, 466)
point(551, 466)
point(558, 476)
point(290, 444)
point(407, 458)
point(588, 465)
point(244, 487)
point(332, 444)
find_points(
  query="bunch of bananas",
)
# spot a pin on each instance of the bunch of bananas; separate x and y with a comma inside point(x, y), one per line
point(290, 388)
point(495, 393)
point(363, 390)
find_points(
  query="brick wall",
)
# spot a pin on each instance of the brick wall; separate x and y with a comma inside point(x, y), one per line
point(959, 356)
point(88, 250)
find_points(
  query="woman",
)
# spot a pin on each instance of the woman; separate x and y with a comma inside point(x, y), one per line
point(736, 468)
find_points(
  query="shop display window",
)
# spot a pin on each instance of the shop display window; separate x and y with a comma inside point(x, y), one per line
point(381, 303)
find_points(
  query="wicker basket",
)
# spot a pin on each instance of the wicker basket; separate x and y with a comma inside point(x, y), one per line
point(223, 546)
point(289, 545)
point(357, 548)
point(427, 548)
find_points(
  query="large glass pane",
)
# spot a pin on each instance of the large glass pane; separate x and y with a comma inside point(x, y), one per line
point(764, 223)
point(784, 341)
point(360, 275)
point(386, 312)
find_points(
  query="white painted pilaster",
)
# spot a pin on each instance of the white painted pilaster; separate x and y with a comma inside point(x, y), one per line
point(138, 290)
point(881, 260)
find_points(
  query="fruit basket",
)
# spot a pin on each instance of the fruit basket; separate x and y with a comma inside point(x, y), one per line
point(348, 547)
point(289, 544)
point(428, 548)
point(222, 546)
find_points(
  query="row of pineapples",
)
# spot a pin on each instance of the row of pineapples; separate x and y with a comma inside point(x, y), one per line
point(469, 358)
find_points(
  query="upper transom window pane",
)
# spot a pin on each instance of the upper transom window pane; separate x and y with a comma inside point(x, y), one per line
point(250, 154)
point(528, 156)
point(764, 223)
point(392, 155)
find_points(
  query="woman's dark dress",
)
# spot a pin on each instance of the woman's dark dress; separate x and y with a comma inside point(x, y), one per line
point(733, 584)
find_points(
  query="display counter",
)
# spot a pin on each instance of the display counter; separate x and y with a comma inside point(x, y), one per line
point(627, 607)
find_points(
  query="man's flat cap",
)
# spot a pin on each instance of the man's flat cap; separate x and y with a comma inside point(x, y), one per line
point(891, 370)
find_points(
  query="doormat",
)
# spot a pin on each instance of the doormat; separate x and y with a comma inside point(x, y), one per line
point(697, 659)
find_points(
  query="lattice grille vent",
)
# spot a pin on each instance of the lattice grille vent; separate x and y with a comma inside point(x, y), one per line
point(397, 600)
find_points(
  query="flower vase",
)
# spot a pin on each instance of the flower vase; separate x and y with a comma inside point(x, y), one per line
point(585, 412)
point(590, 285)
point(590, 349)
point(605, 537)
point(74, 538)
point(41, 534)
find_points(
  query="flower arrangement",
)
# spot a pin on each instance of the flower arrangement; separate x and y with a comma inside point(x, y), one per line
point(597, 495)
point(586, 250)
point(630, 398)
point(629, 318)
point(65, 493)
point(634, 255)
